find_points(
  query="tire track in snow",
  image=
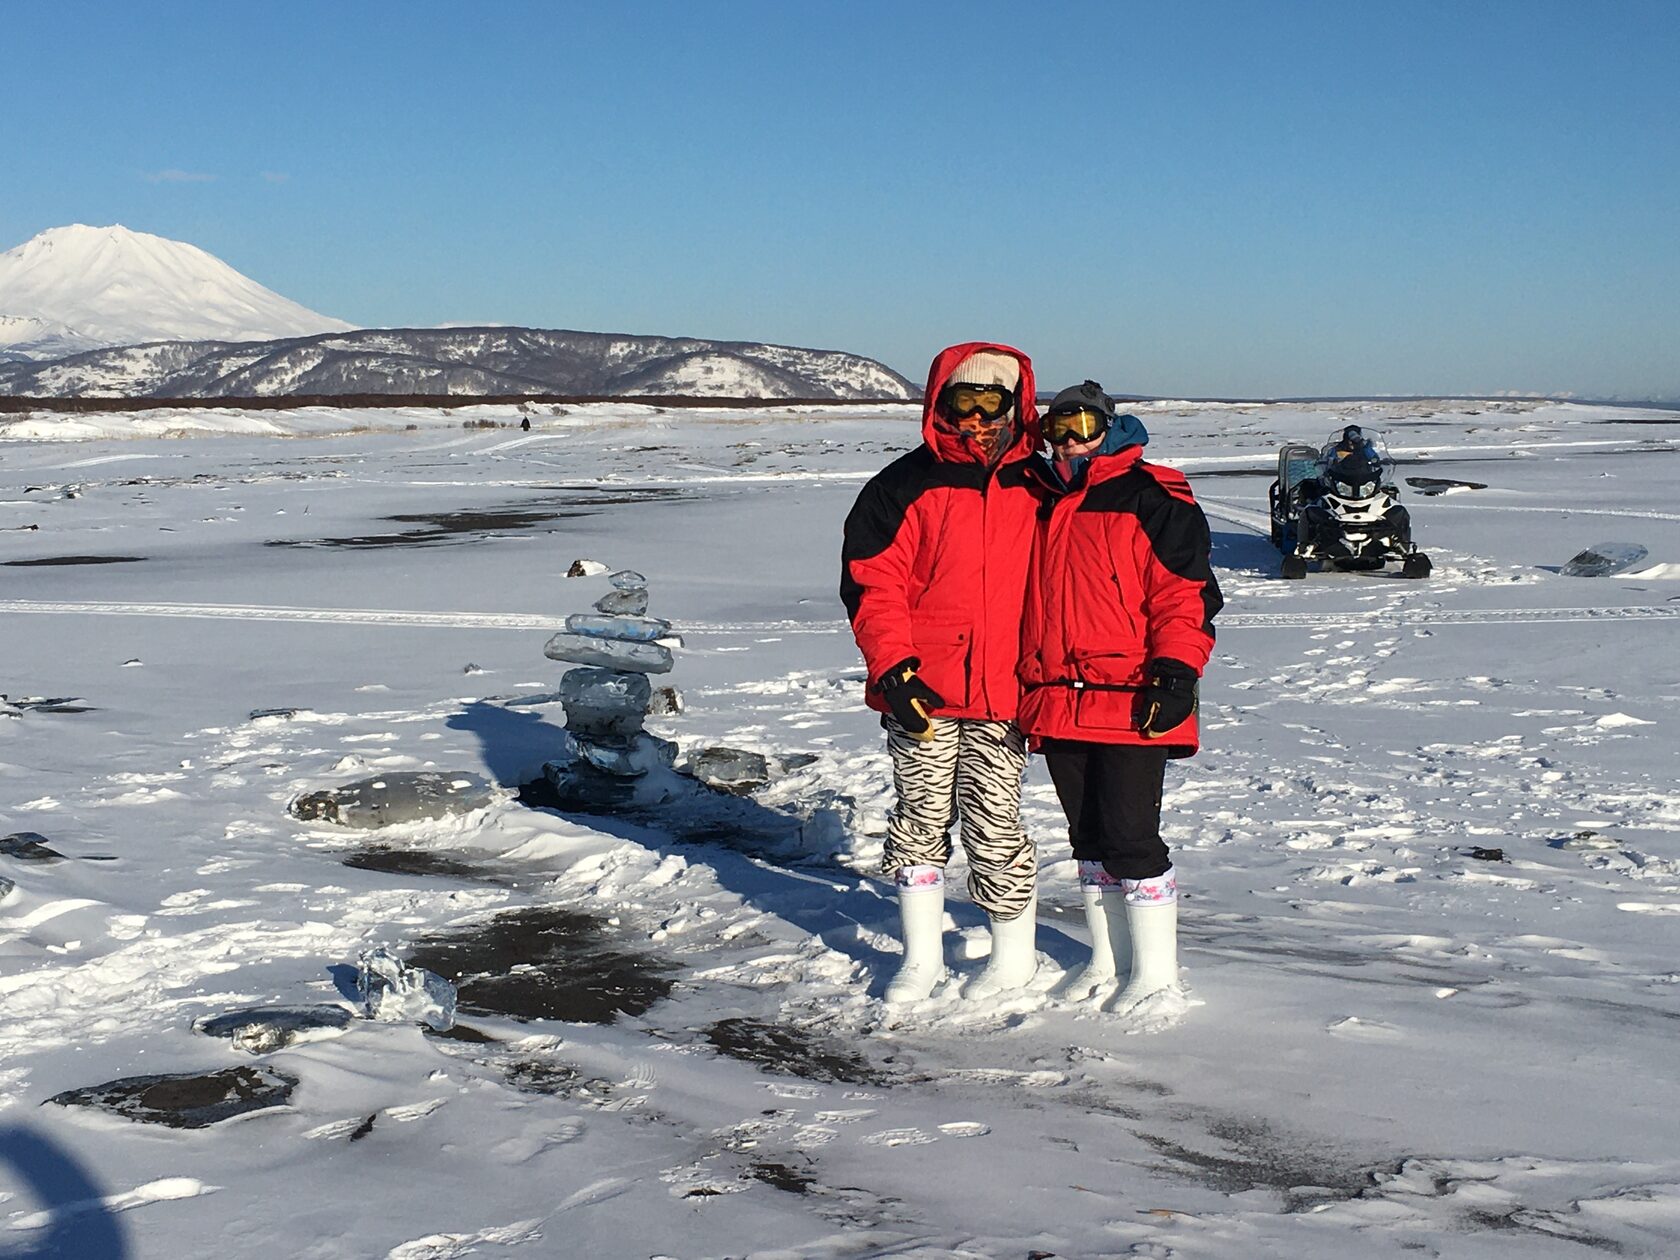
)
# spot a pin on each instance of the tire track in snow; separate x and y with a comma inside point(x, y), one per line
point(1399, 617)
point(1261, 522)
point(554, 621)
point(1250, 518)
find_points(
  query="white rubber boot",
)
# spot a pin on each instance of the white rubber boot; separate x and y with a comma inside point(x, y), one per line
point(1111, 942)
point(1014, 958)
point(1154, 929)
point(922, 911)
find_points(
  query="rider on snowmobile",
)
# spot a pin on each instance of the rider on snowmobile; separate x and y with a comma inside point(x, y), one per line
point(1351, 474)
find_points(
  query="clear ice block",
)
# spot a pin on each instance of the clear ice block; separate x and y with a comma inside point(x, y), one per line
point(623, 758)
point(604, 701)
point(1604, 559)
point(623, 603)
point(583, 649)
point(395, 993)
point(632, 629)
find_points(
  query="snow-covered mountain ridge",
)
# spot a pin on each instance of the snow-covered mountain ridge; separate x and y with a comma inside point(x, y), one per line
point(460, 361)
point(108, 312)
point(77, 287)
point(26, 337)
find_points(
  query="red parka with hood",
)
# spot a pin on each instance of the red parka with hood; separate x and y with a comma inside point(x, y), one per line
point(934, 559)
point(1120, 576)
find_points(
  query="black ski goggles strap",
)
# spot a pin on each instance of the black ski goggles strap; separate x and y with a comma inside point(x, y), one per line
point(959, 400)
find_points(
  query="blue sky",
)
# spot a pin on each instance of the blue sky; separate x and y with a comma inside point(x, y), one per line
point(1211, 199)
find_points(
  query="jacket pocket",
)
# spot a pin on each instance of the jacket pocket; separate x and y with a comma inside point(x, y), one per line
point(1122, 668)
point(944, 648)
point(1100, 705)
point(1100, 709)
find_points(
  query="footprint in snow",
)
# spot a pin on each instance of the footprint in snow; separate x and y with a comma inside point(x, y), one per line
point(518, 1150)
point(845, 1117)
point(417, 1111)
point(162, 1190)
point(899, 1137)
point(784, 1090)
point(1363, 1029)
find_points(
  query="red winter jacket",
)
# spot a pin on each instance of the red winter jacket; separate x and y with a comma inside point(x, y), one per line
point(1120, 575)
point(934, 560)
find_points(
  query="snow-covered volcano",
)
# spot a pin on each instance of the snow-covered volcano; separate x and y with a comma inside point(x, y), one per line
point(87, 287)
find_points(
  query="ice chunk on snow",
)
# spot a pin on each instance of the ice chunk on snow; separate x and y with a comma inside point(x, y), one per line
point(624, 758)
point(628, 580)
point(620, 603)
point(732, 770)
point(604, 701)
point(1604, 559)
point(583, 649)
point(1612, 720)
point(632, 629)
point(398, 797)
point(259, 1030)
point(393, 992)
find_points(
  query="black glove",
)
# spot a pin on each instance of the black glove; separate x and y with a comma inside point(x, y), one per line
point(909, 698)
point(1169, 698)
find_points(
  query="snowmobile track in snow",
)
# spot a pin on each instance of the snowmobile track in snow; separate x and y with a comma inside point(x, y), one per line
point(551, 621)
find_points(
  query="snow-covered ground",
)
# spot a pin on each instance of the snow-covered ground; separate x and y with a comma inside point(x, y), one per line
point(1398, 1047)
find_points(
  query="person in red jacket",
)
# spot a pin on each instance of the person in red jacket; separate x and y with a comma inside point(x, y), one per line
point(1117, 630)
point(934, 572)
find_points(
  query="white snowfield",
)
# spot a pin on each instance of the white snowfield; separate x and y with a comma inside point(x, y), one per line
point(1430, 859)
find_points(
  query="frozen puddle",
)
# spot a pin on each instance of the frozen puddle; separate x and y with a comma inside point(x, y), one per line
point(51, 561)
point(545, 963)
point(794, 1051)
point(435, 528)
point(391, 861)
point(186, 1100)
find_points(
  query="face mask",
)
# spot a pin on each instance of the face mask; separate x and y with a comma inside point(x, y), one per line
point(987, 436)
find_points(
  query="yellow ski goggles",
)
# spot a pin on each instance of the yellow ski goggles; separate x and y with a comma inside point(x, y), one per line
point(1081, 424)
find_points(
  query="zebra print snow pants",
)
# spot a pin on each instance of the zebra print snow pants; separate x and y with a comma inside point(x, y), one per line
point(972, 770)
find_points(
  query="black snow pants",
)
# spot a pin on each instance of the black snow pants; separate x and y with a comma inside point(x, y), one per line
point(1111, 794)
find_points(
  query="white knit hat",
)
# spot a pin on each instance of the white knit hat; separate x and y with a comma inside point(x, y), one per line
point(987, 367)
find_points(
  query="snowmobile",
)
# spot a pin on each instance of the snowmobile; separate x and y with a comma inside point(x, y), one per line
point(1339, 508)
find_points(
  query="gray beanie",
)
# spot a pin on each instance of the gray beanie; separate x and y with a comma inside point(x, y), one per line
point(1089, 394)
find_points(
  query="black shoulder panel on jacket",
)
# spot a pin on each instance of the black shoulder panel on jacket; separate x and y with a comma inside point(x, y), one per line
point(880, 510)
point(1014, 475)
point(1176, 529)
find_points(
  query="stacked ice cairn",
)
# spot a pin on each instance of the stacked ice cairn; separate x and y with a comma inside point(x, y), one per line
point(607, 756)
